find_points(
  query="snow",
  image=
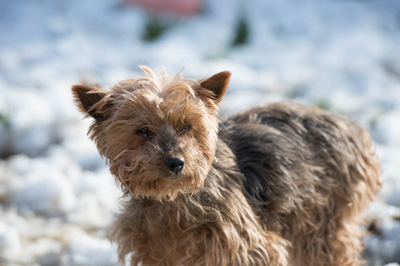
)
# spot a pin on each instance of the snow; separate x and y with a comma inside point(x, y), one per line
point(57, 198)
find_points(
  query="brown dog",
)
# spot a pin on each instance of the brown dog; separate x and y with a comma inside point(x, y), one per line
point(281, 184)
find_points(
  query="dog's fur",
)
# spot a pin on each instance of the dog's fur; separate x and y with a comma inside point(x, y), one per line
point(281, 184)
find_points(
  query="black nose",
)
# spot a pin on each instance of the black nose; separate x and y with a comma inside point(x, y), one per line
point(175, 164)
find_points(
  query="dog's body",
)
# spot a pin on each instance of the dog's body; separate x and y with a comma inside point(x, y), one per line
point(281, 184)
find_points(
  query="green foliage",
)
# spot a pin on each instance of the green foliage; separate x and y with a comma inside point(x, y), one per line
point(5, 119)
point(323, 104)
point(154, 28)
point(242, 32)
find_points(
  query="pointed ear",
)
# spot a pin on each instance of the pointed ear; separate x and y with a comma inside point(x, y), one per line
point(217, 85)
point(92, 101)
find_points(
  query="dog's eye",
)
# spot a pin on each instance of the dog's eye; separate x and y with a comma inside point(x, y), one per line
point(144, 131)
point(187, 128)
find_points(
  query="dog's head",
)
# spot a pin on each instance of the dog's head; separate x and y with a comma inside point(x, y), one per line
point(158, 133)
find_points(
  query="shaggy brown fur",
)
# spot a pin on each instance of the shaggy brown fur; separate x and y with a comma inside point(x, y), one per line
point(281, 184)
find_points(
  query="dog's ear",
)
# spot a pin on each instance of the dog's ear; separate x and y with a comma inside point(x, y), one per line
point(217, 85)
point(92, 101)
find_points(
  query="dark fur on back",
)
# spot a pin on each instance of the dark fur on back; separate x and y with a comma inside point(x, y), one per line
point(308, 174)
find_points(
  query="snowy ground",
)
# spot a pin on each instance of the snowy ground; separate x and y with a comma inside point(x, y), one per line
point(57, 199)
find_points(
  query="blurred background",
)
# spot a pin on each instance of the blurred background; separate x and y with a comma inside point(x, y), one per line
point(57, 198)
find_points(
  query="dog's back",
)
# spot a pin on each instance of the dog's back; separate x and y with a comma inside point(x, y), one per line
point(309, 175)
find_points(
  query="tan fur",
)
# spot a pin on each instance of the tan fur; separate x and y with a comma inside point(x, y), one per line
point(278, 185)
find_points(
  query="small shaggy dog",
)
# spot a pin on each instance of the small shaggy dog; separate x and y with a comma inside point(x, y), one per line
point(280, 184)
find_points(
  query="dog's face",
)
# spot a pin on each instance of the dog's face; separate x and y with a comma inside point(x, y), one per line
point(157, 133)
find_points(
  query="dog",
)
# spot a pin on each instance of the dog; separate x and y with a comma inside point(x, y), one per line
point(281, 184)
